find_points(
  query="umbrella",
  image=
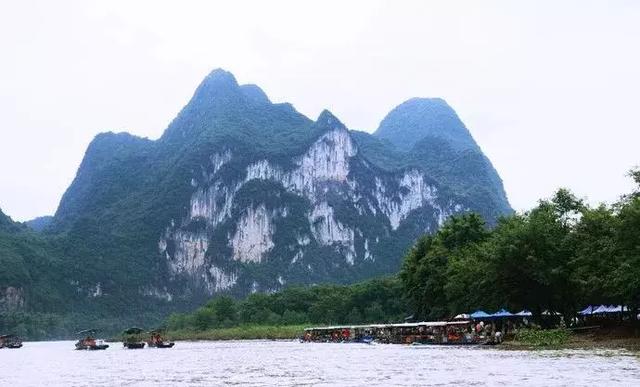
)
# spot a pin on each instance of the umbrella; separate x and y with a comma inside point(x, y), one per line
point(502, 313)
point(480, 314)
point(524, 313)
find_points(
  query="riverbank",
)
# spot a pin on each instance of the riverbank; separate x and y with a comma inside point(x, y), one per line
point(599, 338)
point(605, 338)
point(243, 332)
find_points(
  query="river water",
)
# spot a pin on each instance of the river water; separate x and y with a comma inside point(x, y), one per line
point(285, 363)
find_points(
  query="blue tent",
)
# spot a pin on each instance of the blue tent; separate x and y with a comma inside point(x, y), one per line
point(502, 313)
point(586, 311)
point(524, 313)
point(616, 309)
point(601, 309)
point(480, 314)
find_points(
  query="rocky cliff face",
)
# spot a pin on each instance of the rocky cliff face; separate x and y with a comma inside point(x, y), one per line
point(339, 206)
point(242, 195)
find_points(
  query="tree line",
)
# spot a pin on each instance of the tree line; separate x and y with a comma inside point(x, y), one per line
point(560, 256)
point(374, 300)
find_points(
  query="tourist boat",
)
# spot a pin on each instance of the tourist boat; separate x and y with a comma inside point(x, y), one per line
point(132, 339)
point(10, 341)
point(421, 333)
point(88, 341)
point(156, 340)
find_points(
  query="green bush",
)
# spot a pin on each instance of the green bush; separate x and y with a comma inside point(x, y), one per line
point(543, 337)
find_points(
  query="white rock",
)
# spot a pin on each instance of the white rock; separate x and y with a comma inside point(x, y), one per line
point(253, 237)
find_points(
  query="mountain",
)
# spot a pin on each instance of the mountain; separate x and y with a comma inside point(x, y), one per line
point(40, 223)
point(427, 133)
point(28, 269)
point(242, 195)
point(418, 118)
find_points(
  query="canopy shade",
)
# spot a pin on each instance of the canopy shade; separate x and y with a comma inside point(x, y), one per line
point(524, 313)
point(502, 313)
point(586, 311)
point(462, 316)
point(601, 309)
point(478, 314)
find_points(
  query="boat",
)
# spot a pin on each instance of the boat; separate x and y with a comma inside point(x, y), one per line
point(459, 332)
point(10, 341)
point(88, 341)
point(132, 338)
point(157, 341)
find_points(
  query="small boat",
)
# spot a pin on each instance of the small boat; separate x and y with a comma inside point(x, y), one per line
point(157, 341)
point(89, 342)
point(132, 338)
point(10, 341)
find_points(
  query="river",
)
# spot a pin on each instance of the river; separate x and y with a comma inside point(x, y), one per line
point(285, 363)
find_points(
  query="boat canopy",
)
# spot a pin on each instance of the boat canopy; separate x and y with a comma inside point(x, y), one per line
point(133, 331)
point(391, 326)
point(86, 332)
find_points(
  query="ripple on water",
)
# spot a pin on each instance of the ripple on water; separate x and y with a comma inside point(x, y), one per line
point(263, 363)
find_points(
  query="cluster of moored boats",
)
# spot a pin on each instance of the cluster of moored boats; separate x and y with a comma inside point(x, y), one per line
point(10, 341)
point(465, 332)
point(132, 338)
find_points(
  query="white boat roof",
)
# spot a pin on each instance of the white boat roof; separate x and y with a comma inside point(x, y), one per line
point(396, 325)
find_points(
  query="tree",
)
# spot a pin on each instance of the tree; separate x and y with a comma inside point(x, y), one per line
point(425, 268)
point(596, 255)
point(627, 274)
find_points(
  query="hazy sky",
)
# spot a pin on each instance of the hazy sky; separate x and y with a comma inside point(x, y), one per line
point(550, 90)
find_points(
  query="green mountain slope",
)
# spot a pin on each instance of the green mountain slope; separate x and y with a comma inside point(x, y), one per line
point(241, 195)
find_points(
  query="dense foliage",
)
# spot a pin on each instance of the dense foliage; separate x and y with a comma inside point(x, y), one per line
point(378, 300)
point(559, 256)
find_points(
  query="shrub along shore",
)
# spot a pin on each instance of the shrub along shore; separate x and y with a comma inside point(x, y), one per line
point(242, 332)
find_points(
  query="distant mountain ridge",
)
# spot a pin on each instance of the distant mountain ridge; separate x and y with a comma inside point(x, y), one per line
point(241, 195)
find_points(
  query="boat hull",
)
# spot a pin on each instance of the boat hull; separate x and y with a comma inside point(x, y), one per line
point(162, 345)
point(134, 345)
point(100, 347)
